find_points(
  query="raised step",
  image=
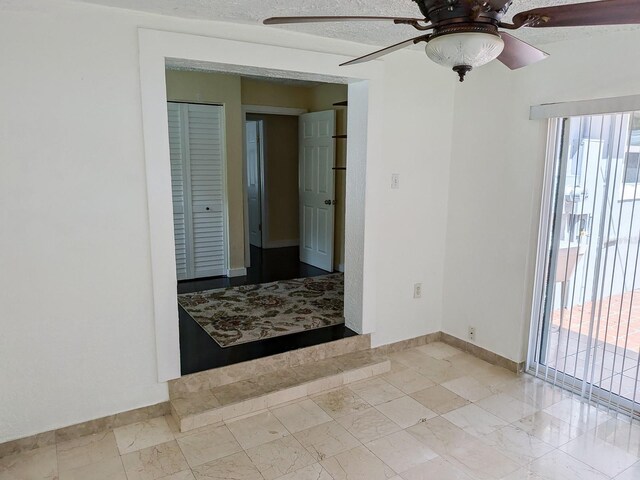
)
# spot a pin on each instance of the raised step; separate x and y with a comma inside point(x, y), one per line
point(206, 380)
point(225, 402)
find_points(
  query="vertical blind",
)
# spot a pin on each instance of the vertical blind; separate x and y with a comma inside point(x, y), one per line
point(587, 329)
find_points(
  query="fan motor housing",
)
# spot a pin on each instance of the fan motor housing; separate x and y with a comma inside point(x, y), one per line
point(460, 11)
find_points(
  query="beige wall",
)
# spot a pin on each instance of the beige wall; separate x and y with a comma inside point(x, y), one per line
point(233, 91)
point(224, 89)
point(280, 137)
point(322, 98)
point(256, 92)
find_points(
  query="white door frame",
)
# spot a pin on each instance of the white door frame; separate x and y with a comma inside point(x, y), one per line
point(267, 110)
point(365, 151)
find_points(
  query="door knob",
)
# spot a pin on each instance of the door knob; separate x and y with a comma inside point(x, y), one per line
point(327, 202)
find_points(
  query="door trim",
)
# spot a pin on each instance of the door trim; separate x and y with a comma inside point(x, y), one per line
point(267, 110)
point(159, 50)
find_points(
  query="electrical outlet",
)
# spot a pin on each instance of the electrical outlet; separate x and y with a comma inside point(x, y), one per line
point(472, 333)
point(417, 290)
point(395, 180)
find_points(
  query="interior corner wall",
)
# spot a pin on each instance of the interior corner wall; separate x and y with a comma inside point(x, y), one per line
point(496, 177)
point(188, 86)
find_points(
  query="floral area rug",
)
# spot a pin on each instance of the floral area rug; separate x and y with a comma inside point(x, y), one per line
point(236, 315)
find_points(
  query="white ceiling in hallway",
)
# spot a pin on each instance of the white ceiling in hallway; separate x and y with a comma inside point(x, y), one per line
point(254, 11)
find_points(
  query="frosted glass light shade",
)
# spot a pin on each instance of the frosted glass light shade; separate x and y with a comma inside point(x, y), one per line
point(469, 48)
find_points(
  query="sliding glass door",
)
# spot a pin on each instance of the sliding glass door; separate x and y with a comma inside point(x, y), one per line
point(587, 310)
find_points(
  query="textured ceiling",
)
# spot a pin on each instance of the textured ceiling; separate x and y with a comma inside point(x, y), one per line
point(254, 11)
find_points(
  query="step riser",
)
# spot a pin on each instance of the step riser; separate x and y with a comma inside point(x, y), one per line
point(209, 379)
point(258, 404)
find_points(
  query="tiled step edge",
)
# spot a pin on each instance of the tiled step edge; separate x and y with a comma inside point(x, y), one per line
point(205, 408)
point(209, 379)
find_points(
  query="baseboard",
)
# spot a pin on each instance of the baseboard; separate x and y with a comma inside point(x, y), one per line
point(482, 353)
point(125, 418)
point(85, 428)
point(340, 267)
point(467, 347)
point(236, 272)
point(281, 243)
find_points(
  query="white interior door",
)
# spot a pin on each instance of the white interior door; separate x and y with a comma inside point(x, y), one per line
point(254, 182)
point(196, 141)
point(316, 188)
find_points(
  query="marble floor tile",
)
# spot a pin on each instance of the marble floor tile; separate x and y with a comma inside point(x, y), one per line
point(405, 411)
point(375, 391)
point(622, 434)
point(86, 450)
point(468, 388)
point(534, 391)
point(437, 370)
point(439, 350)
point(439, 434)
point(280, 457)
point(479, 460)
point(155, 462)
point(341, 402)
point(549, 429)
point(234, 467)
point(301, 415)
point(38, 464)
point(518, 445)
point(556, 465)
point(326, 440)
point(182, 475)
point(436, 469)
point(208, 445)
point(110, 468)
point(575, 412)
point(408, 380)
point(495, 377)
point(401, 451)
point(257, 429)
point(409, 358)
point(312, 472)
point(357, 464)
point(474, 420)
point(631, 473)
point(506, 407)
point(143, 434)
point(601, 455)
point(439, 399)
point(368, 425)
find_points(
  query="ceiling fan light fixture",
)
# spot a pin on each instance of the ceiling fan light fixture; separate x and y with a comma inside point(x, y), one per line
point(465, 50)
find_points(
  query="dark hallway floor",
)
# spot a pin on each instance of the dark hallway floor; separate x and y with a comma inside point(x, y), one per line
point(198, 351)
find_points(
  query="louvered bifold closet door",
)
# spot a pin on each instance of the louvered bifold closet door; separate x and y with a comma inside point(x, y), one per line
point(197, 154)
point(207, 192)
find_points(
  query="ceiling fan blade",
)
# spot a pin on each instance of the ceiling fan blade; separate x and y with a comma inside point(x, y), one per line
point(603, 12)
point(384, 51)
point(287, 20)
point(518, 54)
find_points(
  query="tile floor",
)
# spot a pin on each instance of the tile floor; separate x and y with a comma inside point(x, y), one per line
point(440, 414)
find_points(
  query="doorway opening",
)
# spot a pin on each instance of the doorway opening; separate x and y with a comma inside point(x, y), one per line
point(587, 336)
point(280, 223)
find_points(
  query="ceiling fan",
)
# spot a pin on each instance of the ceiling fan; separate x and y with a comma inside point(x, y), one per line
point(464, 34)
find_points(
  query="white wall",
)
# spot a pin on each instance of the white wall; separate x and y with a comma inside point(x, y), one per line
point(78, 339)
point(496, 181)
